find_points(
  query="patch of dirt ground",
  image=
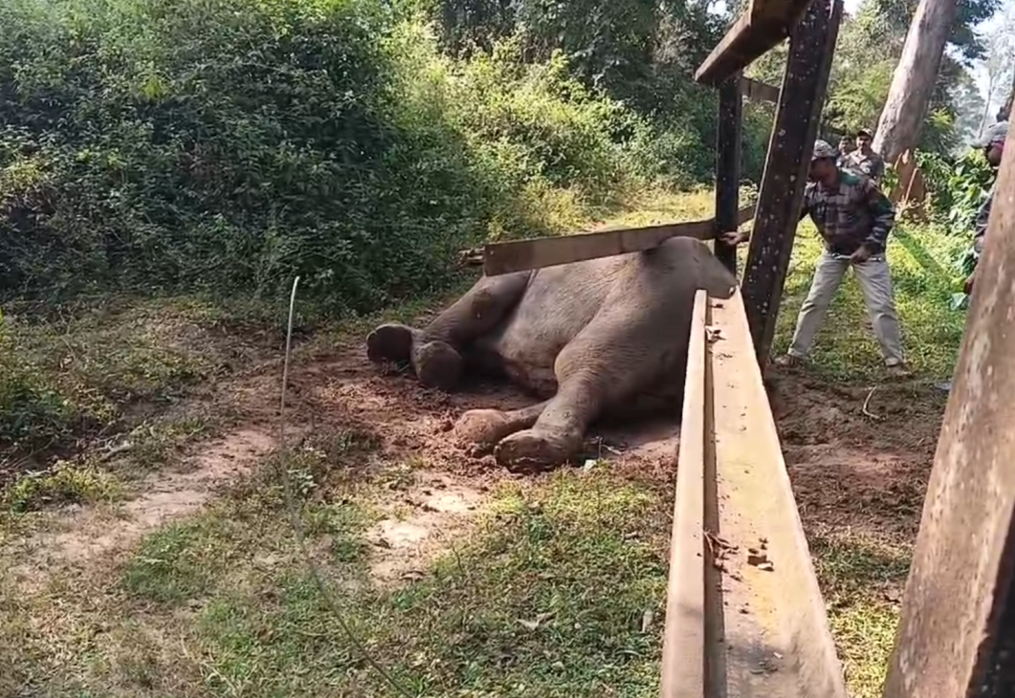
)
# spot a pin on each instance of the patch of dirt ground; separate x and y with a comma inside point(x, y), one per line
point(867, 471)
point(79, 535)
point(334, 390)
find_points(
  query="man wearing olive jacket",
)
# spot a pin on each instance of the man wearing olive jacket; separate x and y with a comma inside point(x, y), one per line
point(854, 218)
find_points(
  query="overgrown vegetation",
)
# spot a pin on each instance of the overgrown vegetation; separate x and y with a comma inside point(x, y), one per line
point(230, 145)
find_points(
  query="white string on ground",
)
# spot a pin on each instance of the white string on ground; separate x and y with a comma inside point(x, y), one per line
point(297, 521)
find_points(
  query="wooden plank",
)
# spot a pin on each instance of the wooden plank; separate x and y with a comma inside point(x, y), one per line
point(785, 176)
point(957, 628)
point(734, 628)
point(520, 255)
point(765, 25)
point(727, 167)
point(758, 91)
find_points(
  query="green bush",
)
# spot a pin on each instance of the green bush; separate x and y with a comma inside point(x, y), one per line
point(958, 187)
point(228, 145)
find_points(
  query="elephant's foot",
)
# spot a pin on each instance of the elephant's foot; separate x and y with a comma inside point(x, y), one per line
point(537, 449)
point(480, 430)
point(437, 365)
point(390, 342)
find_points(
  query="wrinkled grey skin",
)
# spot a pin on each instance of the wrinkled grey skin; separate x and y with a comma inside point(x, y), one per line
point(603, 336)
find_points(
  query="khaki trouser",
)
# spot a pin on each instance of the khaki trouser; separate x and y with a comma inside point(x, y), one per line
point(875, 282)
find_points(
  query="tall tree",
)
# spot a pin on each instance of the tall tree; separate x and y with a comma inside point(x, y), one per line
point(915, 78)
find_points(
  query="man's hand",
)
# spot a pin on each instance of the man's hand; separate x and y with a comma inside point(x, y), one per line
point(862, 254)
point(733, 237)
point(968, 286)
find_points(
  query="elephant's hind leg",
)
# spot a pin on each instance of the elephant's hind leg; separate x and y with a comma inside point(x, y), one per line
point(434, 351)
point(558, 433)
point(637, 341)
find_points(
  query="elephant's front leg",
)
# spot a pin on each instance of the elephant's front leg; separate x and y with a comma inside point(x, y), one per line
point(559, 432)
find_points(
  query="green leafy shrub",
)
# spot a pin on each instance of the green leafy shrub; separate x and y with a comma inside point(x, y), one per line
point(958, 187)
point(228, 145)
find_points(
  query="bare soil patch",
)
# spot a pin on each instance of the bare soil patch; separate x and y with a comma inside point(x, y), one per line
point(80, 536)
point(850, 469)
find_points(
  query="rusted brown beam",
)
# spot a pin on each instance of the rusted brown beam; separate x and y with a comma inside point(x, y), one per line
point(519, 255)
point(956, 634)
point(758, 91)
point(685, 636)
point(782, 185)
point(764, 25)
point(727, 166)
point(744, 613)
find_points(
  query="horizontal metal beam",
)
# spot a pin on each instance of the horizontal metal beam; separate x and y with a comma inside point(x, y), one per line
point(764, 25)
point(744, 613)
point(758, 91)
point(521, 255)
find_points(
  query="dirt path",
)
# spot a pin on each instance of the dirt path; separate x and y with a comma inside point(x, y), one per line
point(332, 392)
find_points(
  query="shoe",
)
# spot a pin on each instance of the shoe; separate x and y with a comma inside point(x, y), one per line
point(788, 361)
point(898, 371)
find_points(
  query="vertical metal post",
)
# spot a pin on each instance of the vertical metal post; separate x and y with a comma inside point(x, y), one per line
point(782, 186)
point(727, 166)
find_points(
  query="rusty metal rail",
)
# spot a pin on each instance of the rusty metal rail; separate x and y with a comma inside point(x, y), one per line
point(744, 615)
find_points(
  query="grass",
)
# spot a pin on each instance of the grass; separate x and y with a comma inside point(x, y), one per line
point(88, 372)
point(545, 595)
point(862, 579)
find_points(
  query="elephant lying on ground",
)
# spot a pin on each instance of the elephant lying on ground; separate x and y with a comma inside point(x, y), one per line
point(604, 336)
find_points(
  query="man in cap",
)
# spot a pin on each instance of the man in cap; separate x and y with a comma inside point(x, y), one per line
point(864, 159)
point(993, 147)
point(854, 219)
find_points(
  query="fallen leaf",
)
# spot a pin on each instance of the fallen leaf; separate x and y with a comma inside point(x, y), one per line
point(533, 624)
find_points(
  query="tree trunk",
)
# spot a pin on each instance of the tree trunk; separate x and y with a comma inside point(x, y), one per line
point(1005, 111)
point(914, 78)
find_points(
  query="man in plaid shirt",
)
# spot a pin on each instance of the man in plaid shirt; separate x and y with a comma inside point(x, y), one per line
point(854, 218)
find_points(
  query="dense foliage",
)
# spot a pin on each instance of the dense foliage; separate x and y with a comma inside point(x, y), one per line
point(231, 144)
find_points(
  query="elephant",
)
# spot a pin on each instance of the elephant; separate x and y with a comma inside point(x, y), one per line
point(591, 339)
